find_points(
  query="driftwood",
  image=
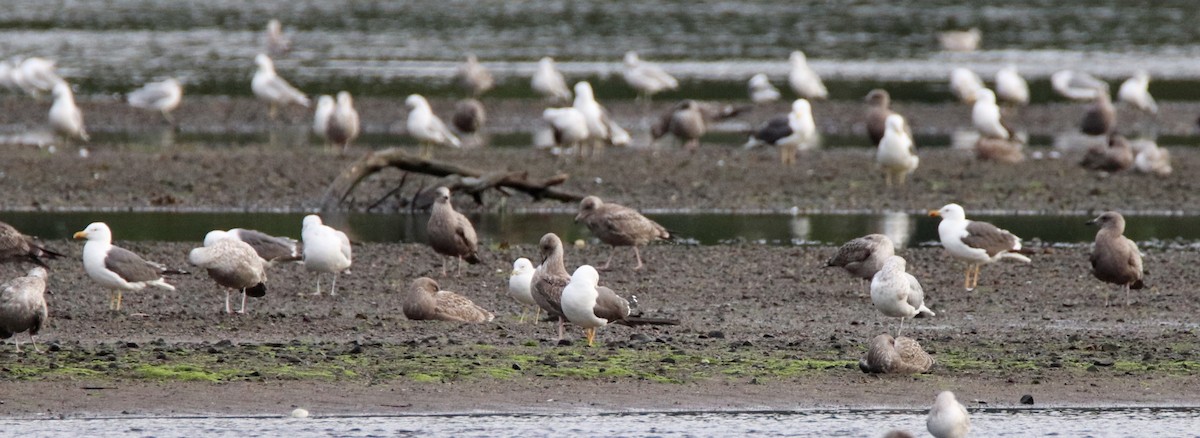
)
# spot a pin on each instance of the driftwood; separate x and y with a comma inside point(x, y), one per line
point(456, 178)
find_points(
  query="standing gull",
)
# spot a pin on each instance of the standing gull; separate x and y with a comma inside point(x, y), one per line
point(974, 242)
point(878, 110)
point(1011, 88)
point(1101, 117)
point(549, 82)
point(234, 264)
point(473, 77)
point(426, 127)
point(1077, 85)
point(520, 286)
point(277, 44)
point(325, 250)
point(601, 128)
point(36, 76)
point(450, 233)
point(23, 306)
point(864, 256)
point(271, 88)
point(618, 225)
point(324, 111)
point(65, 117)
point(116, 268)
point(550, 278)
point(425, 301)
point(162, 96)
point(964, 83)
point(791, 133)
point(985, 115)
point(1115, 259)
point(588, 305)
point(896, 155)
point(570, 127)
point(761, 90)
point(17, 247)
point(469, 118)
point(270, 248)
point(1135, 91)
point(688, 120)
point(343, 123)
point(1115, 157)
point(960, 40)
point(888, 355)
point(948, 418)
point(897, 293)
point(803, 80)
point(645, 78)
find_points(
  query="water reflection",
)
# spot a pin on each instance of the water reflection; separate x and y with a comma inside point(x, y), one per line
point(897, 226)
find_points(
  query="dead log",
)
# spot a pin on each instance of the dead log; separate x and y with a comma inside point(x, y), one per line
point(458, 178)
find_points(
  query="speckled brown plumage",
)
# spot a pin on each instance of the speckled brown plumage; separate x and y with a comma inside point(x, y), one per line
point(23, 306)
point(425, 302)
point(618, 225)
point(889, 355)
point(450, 233)
point(17, 247)
point(878, 110)
point(1115, 259)
point(1118, 156)
point(862, 257)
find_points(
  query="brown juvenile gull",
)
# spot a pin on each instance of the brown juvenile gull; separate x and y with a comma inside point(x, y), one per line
point(948, 418)
point(270, 248)
point(897, 293)
point(618, 225)
point(343, 125)
point(550, 278)
point(17, 247)
point(474, 77)
point(234, 264)
point(888, 355)
point(1116, 157)
point(115, 268)
point(1101, 118)
point(23, 306)
point(688, 120)
point(469, 117)
point(1116, 259)
point(426, 302)
point(878, 110)
point(974, 242)
point(1009, 151)
point(450, 233)
point(864, 256)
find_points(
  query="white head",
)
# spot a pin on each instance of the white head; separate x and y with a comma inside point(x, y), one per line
point(945, 398)
point(895, 263)
point(986, 96)
point(522, 267)
point(631, 58)
point(442, 195)
point(1142, 76)
point(344, 100)
point(798, 57)
point(324, 102)
point(801, 107)
point(950, 212)
point(415, 101)
point(37, 271)
point(215, 235)
point(895, 123)
point(62, 90)
point(95, 232)
point(586, 275)
point(546, 62)
point(310, 221)
point(274, 27)
point(264, 62)
point(760, 81)
point(583, 90)
point(471, 59)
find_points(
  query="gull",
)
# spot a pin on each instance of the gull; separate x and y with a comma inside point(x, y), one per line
point(791, 133)
point(23, 306)
point(618, 225)
point(761, 90)
point(888, 355)
point(897, 293)
point(588, 305)
point(426, 301)
point(325, 104)
point(986, 116)
point(1115, 259)
point(325, 250)
point(17, 247)
point(948, 418)
point(550, 278)
point(601, 128)
point(520, 286)
point(65, 117)
point(1115, 157)
point(450, 233)
point(36, 76)
point(270, 249)
point(426, 127)
point(964, 83)
point(8, 74)
point(469, 118)
point(343, 126)
point(803, 80)
point(960, 40)
point(277, 44)
point(974, 242)
point(1011, 87)
point(878, 110)
point(549, 82)
point(1101, 117)
point(473, 77)
point(269, 87)
point(115, 268)
point(864, 256)
point(1077, 85)
point(234, 264)
point(570, 127)
point(162, 96)
point(1150, 158)
point(896, 155)
point(645, 78)
point(1135, 91)
point(688, 120)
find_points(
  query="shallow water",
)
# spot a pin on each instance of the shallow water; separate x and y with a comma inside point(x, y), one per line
point(1111, 422)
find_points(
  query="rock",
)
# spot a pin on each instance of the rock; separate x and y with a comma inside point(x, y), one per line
point(1027, 399)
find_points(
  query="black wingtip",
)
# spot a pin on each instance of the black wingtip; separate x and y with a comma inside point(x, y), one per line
point(473, 259)
point(175, 272)
point(638, 320)
point(1138, 285)
point(37, 261)
point(257, 291)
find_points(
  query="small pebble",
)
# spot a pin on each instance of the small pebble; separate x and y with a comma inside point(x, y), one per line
point(300, 413)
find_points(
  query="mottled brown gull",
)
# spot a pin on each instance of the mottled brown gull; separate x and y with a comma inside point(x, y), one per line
point(878, 109)
point(618, 225)
point(550, 278)
point(688, 120)
point(1101, 117)
point(948, 418)
point(233, 264)
point(1115, 259)
point(1115, 157)
point(23, 306)
point(116, 268)
point(974, 242)
point(888, 355)
point(450, 233)
point(897, 293)
point(343, 125)
point(474, 77)
point(864, 256)
point(425, 301)
point(469, 118)
point(276, 43)
point(17, 247)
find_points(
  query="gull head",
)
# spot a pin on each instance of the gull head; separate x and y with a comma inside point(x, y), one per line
point(546, 62)
point(583, 90)
point(949, 212)
point(61, 89)
point(344, 99)
point(1109, 220)
point(215, 235)
point(798, 57)
point(986, 96)
point(522, 266)
point(442, 195)
point(760, 81)
point(895, 263)
point(264, 62)
point(588, 205)
point(310, 221)
point(801, 107)
point(426, 285)
point(586, 275)
point(416, 101)
point(548, 245)
point(96, 231)
point(878, 97)
point(37, 271)
point(631, 58)
point(895, 123)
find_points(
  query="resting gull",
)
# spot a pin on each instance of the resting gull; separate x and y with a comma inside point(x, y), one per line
point(964, 83)
point(426, 127)
point(474, 77)
point(1101, 117)
point(1009, 151)
point(324, 111)
point(426, 301)
point(343, 125)
point(269, 87)
point(36, 76)
point(1150, 158)
point(960, 40)
point(1135, 91)
point(270, 248)
point(1115, 259)
point(277, 44)
point(162, 96)
point(761, 90)
point(864, 256)
point(325, 250)
point(569, 126)
point(948, 418)
point(647, 79)
point(23, 306)
point(450, 233)
point(985, 115)
point(469, 118)
point(888, 355)
point(550, 278)
point(793, 132)
point(116, 268)
point(588, 305)
point(618, 225)
point(65, 117)
point(1076, 85)
point(688, 120)
point(803, 80)
point(549, 82)
point(1011, 88)
point(878, 110)
point(17, 247)
point(1115, 157)
point(520, 284)
point(897, 293)
point(974, 242)
point(896, 154)
point(234, 264)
